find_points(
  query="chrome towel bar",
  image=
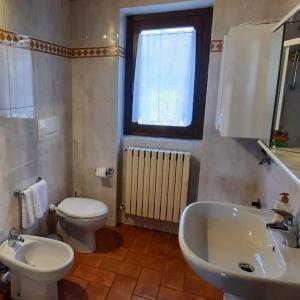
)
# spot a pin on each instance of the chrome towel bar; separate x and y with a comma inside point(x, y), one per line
point(19, 192)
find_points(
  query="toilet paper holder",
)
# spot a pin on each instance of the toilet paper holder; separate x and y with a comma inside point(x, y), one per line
point(109, 172)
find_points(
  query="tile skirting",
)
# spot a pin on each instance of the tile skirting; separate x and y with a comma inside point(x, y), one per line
point(24, 41)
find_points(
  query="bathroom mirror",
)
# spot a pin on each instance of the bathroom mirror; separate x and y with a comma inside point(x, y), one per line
point(17, 83)
point(285, 133)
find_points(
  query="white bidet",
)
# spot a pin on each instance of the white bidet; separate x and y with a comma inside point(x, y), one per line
point(36, 265)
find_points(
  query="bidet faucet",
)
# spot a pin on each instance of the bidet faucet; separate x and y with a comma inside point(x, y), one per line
point(14, 237)
point(288, 228)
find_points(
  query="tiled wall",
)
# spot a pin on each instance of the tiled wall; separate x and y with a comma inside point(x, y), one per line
point(97, 111)
point(273, 180)
point(98, 102)
point(95, 106)
point(90, 90)
point(33, 85)
point(229, 169)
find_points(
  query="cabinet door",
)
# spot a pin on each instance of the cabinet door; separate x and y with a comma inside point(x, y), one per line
point(248, 81)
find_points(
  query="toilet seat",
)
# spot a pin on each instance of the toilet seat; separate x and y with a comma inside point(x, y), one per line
point(82, 208)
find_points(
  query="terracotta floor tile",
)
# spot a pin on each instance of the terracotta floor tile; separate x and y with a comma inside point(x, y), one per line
point(174, 248)
point(94, 275)
point(127, 235)
point(128, 232)
point(161, 237)
point(173, 280)
point(134, 263)
point(169, 294)
point(93, 259)
point(146, 261)
point(77, 260)
point(145, 232)
point(148, 284)
point(95, 292)
point(71, 288)
point(134, 297)
point(158, 249)
point(151, 262)
point(133, 258)
point(190, 273)
point(140, 244)
point(123, 268)
point(197, 286)
point(118, 254)
point(122, 288)
point(80, 282)
point(108, 240)
point(214, 293)
point(175, 266)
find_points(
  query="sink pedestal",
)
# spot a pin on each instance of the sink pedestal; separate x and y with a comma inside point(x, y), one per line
point(25, 288)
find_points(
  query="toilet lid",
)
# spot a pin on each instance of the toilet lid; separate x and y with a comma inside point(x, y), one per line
point(82, 208)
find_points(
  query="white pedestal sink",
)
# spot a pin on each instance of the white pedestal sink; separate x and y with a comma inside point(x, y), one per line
point(229, 246)
point(36, 265)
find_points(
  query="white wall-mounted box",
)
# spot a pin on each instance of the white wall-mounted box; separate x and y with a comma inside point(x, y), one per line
point(47, 128)
point(248, 81)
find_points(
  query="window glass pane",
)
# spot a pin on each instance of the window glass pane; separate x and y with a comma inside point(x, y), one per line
point(164, 77)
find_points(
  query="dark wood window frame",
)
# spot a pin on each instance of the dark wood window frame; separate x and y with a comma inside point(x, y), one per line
point(201, 20)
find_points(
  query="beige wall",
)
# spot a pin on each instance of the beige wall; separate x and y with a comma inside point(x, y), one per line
point(22, 158)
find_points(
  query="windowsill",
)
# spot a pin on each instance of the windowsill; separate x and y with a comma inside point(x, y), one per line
point(161, 139)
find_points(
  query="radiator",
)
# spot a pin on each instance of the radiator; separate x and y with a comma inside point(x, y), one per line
point(156, 183)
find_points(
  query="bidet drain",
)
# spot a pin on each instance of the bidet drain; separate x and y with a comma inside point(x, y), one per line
point(246, 267)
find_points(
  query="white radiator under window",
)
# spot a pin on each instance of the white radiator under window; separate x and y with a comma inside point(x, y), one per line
point(156, 183)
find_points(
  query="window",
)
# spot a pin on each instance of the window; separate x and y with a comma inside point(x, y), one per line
point(166, 73)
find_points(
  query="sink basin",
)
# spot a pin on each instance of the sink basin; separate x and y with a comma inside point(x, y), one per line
point(229, 246)
point(36, 265)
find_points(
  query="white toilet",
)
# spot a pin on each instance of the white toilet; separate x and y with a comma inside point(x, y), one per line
point(79, 219)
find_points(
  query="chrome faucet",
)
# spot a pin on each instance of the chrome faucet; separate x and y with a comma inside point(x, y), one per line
point(288, 228)
point(13, 237)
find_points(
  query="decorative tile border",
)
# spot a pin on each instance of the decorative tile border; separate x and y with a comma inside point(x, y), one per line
point(22, 41)
point(97, 52)
point(27, 42)
point(217, 46)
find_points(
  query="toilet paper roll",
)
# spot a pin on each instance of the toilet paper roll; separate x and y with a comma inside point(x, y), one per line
point(101, 172)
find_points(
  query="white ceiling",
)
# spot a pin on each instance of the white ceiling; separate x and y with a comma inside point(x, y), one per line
point(156, 8)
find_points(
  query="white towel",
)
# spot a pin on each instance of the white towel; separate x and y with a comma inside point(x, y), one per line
point(40, 198)
point(27, 209)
